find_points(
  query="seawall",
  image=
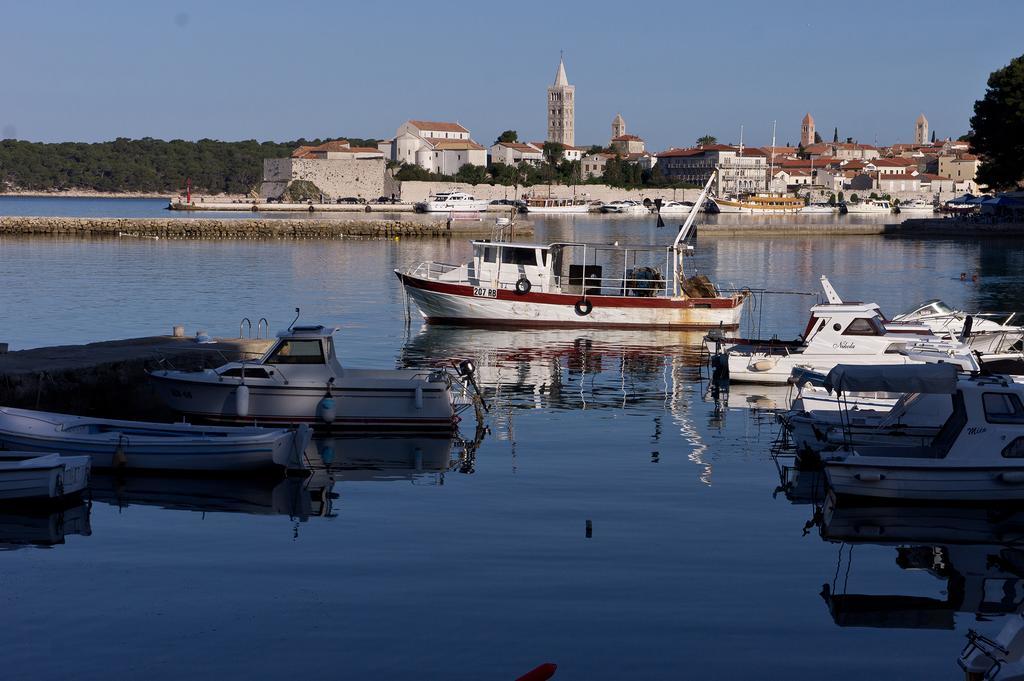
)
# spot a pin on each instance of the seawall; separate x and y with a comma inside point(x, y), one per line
point(255, 228)
point(952, 226)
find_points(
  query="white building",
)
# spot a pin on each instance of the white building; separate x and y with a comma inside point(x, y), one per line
point(514, 153)
point(436, 146)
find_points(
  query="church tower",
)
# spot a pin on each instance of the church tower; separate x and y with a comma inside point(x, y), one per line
point(618, 126)
point(807, 131)
point(921, 130)
point(562, 109)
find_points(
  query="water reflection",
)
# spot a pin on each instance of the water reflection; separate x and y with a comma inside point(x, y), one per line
point(42, 526)
point(975, 554)
point(418, 459)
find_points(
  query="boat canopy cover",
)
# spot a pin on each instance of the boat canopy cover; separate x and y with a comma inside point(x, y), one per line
point(902, 378)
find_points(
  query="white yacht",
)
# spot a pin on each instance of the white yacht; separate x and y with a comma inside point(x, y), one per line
point(676, 208)
point(977, 454)
point(916, 206)
point(300, 380)
point(452, 202)
point(983, 334)
point(557, 206)
point(869, 206)
point(818, 209)
point(627, 206)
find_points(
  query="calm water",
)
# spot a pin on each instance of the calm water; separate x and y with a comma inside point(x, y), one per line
point(415, 559)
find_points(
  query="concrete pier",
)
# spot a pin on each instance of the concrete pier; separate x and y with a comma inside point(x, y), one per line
point(109, 379)
point(255, 228)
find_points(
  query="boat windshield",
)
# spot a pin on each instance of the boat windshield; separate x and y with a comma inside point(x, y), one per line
point(297, 351)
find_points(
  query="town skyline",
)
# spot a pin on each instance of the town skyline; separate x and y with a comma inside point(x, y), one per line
point(190, 77)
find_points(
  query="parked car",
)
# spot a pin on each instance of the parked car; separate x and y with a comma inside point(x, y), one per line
point(352, 200)
point(386, 199)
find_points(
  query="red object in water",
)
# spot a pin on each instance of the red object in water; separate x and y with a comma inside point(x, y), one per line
point(541, 673)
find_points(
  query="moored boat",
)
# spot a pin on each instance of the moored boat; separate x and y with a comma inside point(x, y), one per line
point(31, 475)
point(452, 202)
point(982, 333)
point(675, 207)
point(573, 284)
point(153, 446)
point(627, 206)
point(758, 205)
point(818, 209)
point(301, 380)
point(557, 206)
point(869, 206)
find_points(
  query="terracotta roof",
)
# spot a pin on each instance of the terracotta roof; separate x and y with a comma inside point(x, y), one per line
point(627, 138)
point(967, 157)
point(453, 145)
point(333, 145)
point(302, 152)
point(893, 162)
point(696, 151)
point(931, 176)
point(519, 146)
point(364, 150)
point(439, 126)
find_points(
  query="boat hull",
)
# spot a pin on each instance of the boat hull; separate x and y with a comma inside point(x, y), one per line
point(893, 479)
point(68, 477)
point(449, 303)
point(557, 210)
point(215, 401)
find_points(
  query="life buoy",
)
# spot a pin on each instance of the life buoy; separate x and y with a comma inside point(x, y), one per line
point(583, 307)
point(523, 286)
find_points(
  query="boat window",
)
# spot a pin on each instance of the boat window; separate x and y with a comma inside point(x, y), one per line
point(942, 308)
point(518, 256)
point(895, 348)
point(490, 254)
point(294, 351)
point(862, 327)
point(1014, 450)
point(250, 372)
point(1002, 408)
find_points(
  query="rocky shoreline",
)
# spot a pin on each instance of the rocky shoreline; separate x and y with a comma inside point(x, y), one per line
point(255, 228)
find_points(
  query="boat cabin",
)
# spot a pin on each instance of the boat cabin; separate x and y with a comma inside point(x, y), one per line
point(300, 352)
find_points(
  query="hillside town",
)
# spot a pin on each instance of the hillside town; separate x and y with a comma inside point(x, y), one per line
point(817, 169)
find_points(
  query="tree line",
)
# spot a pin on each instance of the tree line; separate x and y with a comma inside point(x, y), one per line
point(143, 165)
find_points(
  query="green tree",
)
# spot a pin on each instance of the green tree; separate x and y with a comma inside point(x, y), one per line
point(553, 152)
point(706, 140)
point(835, 135)
point(471, 174)
point(508, 136)
point(832, 199)
point(997, 127)
point(817, 137)
point(854, 198)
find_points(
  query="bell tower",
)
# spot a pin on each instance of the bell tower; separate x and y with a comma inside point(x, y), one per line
point(562, 109)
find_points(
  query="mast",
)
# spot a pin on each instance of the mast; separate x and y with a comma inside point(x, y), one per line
point(684, 231)
point(771, 168)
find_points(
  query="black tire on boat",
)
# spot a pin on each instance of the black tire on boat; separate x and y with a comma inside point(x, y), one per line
point(583, 307)
point(523, 286)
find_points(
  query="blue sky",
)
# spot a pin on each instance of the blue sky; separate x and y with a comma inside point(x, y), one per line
point(675, 70)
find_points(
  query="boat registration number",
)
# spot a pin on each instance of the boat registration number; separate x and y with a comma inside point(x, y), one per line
point(483, 292)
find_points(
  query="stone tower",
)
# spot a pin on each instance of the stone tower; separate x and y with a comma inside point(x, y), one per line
point(921, 130)
point(618, 126)
point(562, 109)
point(807, 131)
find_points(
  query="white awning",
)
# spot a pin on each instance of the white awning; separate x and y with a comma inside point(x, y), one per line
point(900, 378)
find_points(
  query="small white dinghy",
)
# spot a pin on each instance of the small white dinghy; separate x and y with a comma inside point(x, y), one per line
point(140, 445)
point(35, 476)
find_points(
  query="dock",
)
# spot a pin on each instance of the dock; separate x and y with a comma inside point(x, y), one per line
point(109, 379)
point(432, 227)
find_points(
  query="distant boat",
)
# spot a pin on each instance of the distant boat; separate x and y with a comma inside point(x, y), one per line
point(869, 206)
point(556, 206)
point(49, 476)
point(153, 446)
point(452, 202)
point(916, 206)
point(676, 208)
point(759, 205)
point(818, 209)
point(628, 206)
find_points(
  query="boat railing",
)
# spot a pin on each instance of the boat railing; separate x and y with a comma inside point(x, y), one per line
point(433, 270)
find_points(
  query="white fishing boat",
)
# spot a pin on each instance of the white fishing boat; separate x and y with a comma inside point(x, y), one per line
point(874, 206)
point(153, 446)
point(301, 380)
point(675, 208)
point(977, 455)
point(556, 206)
point(996, 658)
point(818, 209)
point(983, 333)
point(628, 207)
point(916, 206)
point(452, 202)
point(573, 284)
point(31, 475)
point(837, 333)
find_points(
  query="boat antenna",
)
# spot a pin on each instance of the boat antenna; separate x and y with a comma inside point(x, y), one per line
point(292, 325)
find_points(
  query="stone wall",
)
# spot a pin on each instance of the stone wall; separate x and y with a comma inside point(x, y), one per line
point(337, 178)
point(413, 192)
